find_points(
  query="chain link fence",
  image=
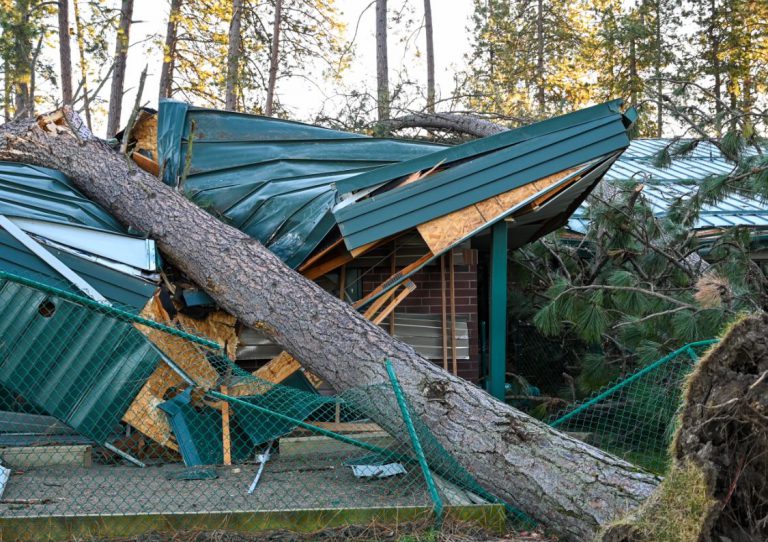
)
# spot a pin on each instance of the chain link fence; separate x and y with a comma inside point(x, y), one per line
point(635, 417)
point(116, 424)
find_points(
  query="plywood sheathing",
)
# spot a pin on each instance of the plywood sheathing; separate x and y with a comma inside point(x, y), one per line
point(144, 133)
point(143, 413)
point(443, 232)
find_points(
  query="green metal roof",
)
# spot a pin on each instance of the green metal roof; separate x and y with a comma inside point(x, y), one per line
point(662, 187)
point(46, 194)
point(74, 363)
point(273, 179)
point(481, 169)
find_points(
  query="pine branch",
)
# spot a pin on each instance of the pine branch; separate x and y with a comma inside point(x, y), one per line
point(635, 289)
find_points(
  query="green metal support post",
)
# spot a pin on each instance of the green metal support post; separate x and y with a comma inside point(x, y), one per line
point(498, 311)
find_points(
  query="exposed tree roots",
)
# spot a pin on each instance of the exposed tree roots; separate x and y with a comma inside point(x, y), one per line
point(717, 489)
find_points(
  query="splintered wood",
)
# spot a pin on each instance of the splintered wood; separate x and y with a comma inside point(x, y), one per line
point(143, 413)
point(443, 232)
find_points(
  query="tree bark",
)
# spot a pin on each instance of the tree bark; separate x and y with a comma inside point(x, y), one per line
point(382, 65)
point(659, 83)
point(169, 51)
point(274, 58)
point(233, 52)
point(22, 67)
point(571, 487)
point(65, 53)
point(430, 56)
point(118, 74)
point(465, 124)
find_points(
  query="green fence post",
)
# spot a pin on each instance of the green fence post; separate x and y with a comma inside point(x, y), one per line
point(416, 443)
point(498, 311)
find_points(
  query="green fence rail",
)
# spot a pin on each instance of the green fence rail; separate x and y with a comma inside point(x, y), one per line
point(634, 418)
point(111, 423)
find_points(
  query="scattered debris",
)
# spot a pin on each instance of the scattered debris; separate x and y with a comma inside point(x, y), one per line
point(378, 471)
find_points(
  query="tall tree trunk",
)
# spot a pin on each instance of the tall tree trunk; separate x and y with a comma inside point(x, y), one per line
point(22, 61)
point(169, 51)
point(274, 58)
point(382, 63)
point(633, 79)
point(714, 37)
point(65, 53)
point(7, 99)
point(571, 487)
point(430, 56)
point(659, 83)
point(83, 64)
point(118, 74)
point(541, 97)
point(233, 54)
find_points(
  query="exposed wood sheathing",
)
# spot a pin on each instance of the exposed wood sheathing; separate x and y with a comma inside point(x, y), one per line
point(145, 134)
point(442, 233)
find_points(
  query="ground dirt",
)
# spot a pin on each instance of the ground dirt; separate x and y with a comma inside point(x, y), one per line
point(411, 532)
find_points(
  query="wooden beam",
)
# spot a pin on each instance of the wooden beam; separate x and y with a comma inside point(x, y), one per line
point(226, 441)
point(395, 278)
point(147, 164)
point(444, 312)
point(408, 288)
point(452, 297)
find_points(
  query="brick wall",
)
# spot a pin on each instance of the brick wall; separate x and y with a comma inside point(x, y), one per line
point(426, 299)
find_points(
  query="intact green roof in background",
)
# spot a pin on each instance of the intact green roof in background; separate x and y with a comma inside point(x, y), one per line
point(273, 179)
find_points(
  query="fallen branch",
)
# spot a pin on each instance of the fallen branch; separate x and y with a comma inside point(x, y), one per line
point(465, 124)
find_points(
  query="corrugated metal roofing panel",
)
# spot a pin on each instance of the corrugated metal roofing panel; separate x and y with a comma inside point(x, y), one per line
point(273, 179)
point(45, 194)
point(662, 186)
point(75, 364)
point(482, 177)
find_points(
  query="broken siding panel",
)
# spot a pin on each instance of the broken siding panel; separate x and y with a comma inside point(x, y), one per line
point(120, 288)
point(77, 365)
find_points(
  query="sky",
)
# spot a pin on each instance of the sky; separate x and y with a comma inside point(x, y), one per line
point(302, 99)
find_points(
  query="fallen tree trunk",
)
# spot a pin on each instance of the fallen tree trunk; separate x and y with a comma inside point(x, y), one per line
point(452, 122)
point(717, 489)
point(573, 488)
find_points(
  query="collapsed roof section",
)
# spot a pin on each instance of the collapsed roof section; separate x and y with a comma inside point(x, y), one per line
point(319, 198)
point(273, 179)
point(473, 173)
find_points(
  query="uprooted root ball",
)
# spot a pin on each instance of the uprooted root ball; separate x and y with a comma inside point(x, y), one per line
point(717, 489)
